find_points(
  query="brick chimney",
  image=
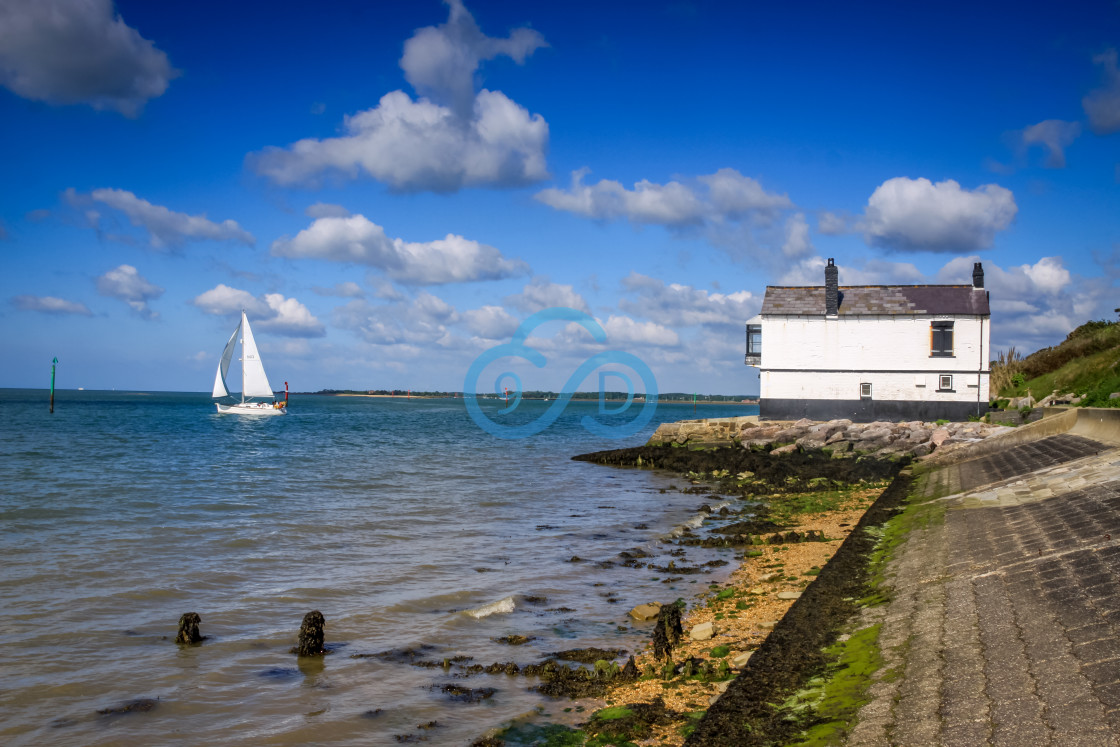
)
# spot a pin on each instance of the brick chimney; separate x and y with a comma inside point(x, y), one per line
point(977, 275)
point(831, 289)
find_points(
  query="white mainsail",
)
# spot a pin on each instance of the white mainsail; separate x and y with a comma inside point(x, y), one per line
point(220, 387)
point(255, 381)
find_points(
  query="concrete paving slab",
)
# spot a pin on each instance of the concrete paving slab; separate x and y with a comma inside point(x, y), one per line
point(1004, 624)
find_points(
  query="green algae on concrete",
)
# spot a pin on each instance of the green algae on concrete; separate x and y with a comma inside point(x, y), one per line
point(836, 697)
point(918, 511)
point(832, 700)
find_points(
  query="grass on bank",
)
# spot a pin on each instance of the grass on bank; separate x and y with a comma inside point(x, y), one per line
point(1086, 363)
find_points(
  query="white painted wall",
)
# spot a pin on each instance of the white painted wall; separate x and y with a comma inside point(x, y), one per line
point(884, 386)
point(819, 358)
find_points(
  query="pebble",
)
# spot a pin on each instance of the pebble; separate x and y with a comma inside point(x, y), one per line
point(789, 595)
point(741, 660)
point(702, 632)
point(646, 611)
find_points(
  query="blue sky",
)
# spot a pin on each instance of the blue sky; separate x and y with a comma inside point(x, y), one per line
point(389, 189)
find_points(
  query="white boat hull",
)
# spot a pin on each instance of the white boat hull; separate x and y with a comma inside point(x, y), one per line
point(252, 408)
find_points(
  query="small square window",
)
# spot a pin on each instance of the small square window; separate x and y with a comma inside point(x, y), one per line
point(945, 382)
point(865, 391)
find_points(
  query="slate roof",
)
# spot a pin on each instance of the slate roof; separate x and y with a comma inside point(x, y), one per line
point(861, 300)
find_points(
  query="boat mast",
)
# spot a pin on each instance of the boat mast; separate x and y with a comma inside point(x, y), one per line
point(242, 329)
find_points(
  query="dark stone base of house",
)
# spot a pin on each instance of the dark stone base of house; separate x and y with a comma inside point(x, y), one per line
point(867, 410)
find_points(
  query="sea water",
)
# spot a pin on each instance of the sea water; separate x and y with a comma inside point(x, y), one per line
point(401, 520)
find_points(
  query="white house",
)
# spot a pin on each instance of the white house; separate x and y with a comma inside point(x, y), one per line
point(872, 352)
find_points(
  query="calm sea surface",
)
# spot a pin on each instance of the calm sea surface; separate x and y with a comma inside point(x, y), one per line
point(395, 518)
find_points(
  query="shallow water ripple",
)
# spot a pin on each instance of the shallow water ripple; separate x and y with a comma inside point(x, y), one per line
point(395, 518)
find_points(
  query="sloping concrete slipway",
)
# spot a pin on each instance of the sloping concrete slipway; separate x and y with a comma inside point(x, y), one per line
point(1003, 625)
point(996, 567)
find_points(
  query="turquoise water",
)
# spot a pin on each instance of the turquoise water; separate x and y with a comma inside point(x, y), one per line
point(395, 518)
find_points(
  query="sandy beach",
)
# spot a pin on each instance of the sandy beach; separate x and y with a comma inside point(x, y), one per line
point(742, 612)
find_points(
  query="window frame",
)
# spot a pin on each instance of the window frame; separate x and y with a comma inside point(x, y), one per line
point(941, 385)
point(865, 390)
point(941, 339)
point(754, 334)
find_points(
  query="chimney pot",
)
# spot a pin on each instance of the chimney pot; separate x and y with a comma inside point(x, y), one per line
point(977, 275)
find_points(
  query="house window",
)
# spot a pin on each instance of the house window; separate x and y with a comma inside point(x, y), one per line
point(941, 339)
point(945, 383)
point(754, 339)
point(865, 391)
point(754, 344)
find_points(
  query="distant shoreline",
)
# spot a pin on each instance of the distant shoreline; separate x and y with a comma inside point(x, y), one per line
point(527, 399)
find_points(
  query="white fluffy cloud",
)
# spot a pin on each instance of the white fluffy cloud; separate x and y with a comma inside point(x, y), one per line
point(810, 271)
point(423, 320)
point(78, 52)
point(917, 215)
point(724, 195)
point(684, 306)
point(622, 331)
point(734, 195)
point(1033, 304)
point(1046, 277)
point(441, 61)
point(50, 305)
point(127, 284)
point(1055, 135)
point(452, 259)
point(541, 294)
point(457, 138)
point(419, 145)
point(490, 322)
point(271, 312)
point(166, 228)
point(1102, 106)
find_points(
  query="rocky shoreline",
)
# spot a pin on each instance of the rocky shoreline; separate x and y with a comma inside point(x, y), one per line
point(840, 438)
point(815, 495)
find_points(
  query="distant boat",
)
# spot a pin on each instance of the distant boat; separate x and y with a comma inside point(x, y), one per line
point(254, 382)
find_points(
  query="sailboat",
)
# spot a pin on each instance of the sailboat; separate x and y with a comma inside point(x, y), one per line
point(254, 382)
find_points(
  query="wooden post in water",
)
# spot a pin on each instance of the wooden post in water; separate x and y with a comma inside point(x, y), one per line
point(53, 364)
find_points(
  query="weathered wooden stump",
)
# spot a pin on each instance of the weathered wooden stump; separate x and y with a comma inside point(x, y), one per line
point(311, 635)
point(668, 631)
point(188, 628)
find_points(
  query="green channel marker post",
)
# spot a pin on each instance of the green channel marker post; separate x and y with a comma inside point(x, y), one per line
point(53, 364)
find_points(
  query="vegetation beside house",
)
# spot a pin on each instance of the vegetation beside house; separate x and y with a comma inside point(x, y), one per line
point(1084, 369)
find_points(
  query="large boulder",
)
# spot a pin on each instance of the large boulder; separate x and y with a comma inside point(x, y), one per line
point(787, 435)
point(876, 433)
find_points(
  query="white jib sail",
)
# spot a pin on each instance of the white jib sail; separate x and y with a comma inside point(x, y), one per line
point(256, 382)
point(220, 388)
